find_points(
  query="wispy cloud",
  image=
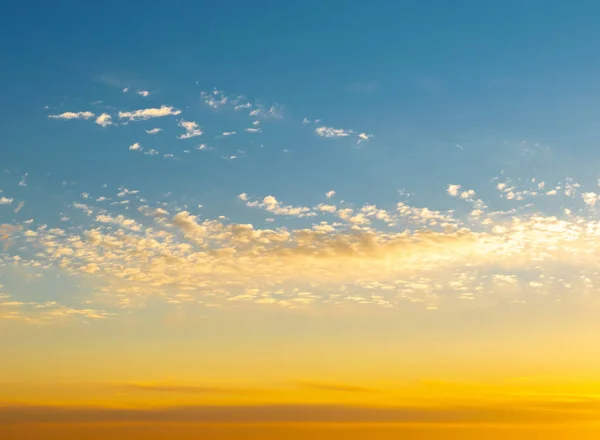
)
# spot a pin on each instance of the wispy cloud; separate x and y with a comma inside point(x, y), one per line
point(144, 93)
point(335, 387)
point(330, 132)
point(154, 130)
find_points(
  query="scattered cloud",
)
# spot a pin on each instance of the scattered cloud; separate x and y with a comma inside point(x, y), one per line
point(364, 137)
point(143, 114)
point(330, 194)
point(104, 120)
point(228, 133)
point(144, 93)
point(330, 132)
point(191, 130)
point(5, 201)
point(253, 130)
point(154, 130)
point(72, 115)
point(135, 147)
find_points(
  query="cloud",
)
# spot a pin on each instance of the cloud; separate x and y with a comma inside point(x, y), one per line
point(144, 93)
point(191, 130)
point(335, 387)
point(502, 413)
point(72, 115)
point(125, 90)
point(364, 137)
point(228, 133)
point(271, 204)
point(242, 106)
point(590, 198)
point(135, 147)
point(104, 120)
point(154, 130)
point(5, 201)
point(144, 114)
point(253, 130)
point(453, 190)
point(330, 132)
point(184, 389)
point(330, 194)
point(321, 255)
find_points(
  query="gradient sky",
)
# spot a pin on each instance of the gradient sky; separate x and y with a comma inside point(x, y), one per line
point(286, 218)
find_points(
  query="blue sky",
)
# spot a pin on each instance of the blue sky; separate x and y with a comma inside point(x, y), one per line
point(381, 102)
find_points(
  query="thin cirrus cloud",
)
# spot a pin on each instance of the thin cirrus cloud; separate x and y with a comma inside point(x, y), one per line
point(515, 412)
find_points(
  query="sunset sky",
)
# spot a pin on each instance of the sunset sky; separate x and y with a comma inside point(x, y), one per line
point(316, 219)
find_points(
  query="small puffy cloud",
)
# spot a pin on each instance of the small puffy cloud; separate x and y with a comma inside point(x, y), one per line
point(469, 194)
point(253, 130)
point(243, 196)
point(144, 93)
point(228, 133)
point(104, 120)
point(72, 115)
point(364, 137)
point(135, 147)
point(125, 90)
point(330, 132)
point(590, 198)
point(147, 113)
point(191, 130)
point(151, 152)
point(154, 131)
point(5, 201)
point(330, 194)
point(453, 190)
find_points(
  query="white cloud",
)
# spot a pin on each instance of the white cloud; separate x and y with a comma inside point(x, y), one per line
point(469, 194)
point(590, 198)
point(154, 131)
point(242, 106)
point(253, 130)
point(330, 194)
point(228, 133)
point(135, 147)
point(243, 196)
point(143, 114)
point(144, 93)
point(71, 115)
point(453, 190)
point(125, 90)
point(151, 152)
point(191, 130)
point(330, 132)
point(5, 201)
point(364, 137)
point(202, 147)
point(104, 120)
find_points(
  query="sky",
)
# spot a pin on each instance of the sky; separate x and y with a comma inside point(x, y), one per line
point(301, 219)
